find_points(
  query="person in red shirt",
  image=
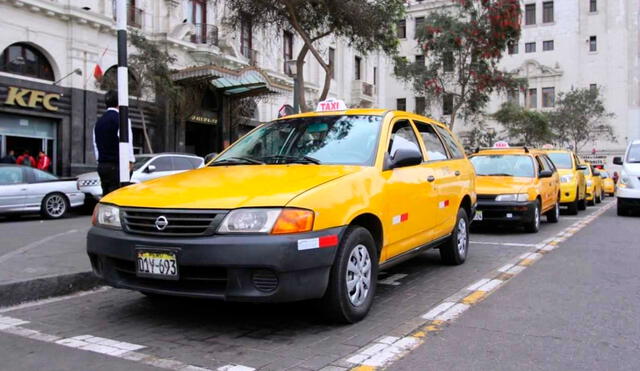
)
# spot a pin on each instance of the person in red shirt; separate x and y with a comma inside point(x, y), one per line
point(26, 159)
point(44, 162)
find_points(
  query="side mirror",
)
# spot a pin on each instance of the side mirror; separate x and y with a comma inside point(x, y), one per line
point(151, 168)
point(617, 160)
point(405, 157)
point(582, 167)
point(210, 157)
point(545, 174)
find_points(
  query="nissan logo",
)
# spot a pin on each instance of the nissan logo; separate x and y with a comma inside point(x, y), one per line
point(161, 222)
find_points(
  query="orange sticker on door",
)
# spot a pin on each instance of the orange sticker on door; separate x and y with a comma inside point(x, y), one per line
point(400, 218)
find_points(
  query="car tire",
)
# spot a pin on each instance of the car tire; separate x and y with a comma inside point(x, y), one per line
point(553, 215)
point(54, 206)
point(592, 202)
point(572, 208)
point(533, 226)
point(599, 198)
point(454, 251)
point(343, 304)
point(622, 208)
point(582, 204)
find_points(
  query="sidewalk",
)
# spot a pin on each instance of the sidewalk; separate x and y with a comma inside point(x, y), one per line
point(43, 258)
point(576, 309)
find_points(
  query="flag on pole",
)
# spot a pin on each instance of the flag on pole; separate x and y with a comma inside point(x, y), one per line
point(97, 70)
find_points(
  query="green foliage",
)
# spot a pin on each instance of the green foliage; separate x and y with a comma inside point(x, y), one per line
point(463, 45)
point(150, 64)
point(524, 126)
point(580, 117)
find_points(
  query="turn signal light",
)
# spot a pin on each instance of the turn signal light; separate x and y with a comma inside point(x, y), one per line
point(94, 216)
point(293, 221)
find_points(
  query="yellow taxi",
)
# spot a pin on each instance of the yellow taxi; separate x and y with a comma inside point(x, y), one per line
point(594, 184)
point(573, 185)
point(516, 185)
point(608, 185)
point(307, 206)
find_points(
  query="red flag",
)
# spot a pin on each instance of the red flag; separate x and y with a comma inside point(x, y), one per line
point(97, 72)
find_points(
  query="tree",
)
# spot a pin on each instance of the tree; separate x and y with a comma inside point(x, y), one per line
point(463, 45)
point(523, 126)
point(368, 25)
point(580, 116)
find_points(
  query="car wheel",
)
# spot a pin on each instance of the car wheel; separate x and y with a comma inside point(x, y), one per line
point(553, 215)
point(534, 225)
point(54, 206)
point(582, 204)
point(599, 198)
point(592, 202)
point(353, 279)
point(572, 208)
point(454, 250)
point(622, 208)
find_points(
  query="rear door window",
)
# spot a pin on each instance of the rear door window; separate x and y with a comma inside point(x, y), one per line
point(452, 144)
point(402, 137)
point(435, 149)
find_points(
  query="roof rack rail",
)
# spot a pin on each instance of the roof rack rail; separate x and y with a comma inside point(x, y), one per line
point(478, 149)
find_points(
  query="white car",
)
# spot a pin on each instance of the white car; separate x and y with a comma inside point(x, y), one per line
point(145, 168)
point(628, 188)
point(24, 189)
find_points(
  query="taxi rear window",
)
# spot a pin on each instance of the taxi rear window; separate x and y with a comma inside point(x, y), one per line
point(335, 139)
point(503, 165)
point(561, 160)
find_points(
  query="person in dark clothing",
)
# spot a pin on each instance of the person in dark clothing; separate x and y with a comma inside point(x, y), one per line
point(106, 141)
point(10, 158)
point(26, 159)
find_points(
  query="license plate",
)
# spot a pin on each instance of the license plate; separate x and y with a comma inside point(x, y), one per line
point(478, 215)
point(157, 264)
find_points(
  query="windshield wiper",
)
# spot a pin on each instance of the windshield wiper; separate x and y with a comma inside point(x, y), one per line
point(238, 160)
point(294, 159)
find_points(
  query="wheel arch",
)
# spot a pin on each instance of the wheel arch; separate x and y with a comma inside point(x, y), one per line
point(372, 223)
point(466, 205)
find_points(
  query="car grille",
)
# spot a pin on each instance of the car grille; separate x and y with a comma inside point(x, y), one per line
point(179, 223)
point(487, 197)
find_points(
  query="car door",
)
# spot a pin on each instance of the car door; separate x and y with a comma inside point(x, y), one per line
point(406, 194)
point(554, 190)
point(156, 168)
point(12, 188)
point(39, 184)
point(544, 184)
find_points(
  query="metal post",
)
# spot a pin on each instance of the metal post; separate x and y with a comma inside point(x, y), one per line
point(296, 98)
point(123, 90)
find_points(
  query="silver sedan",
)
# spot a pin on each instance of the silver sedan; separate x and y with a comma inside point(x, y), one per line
point(24, 189)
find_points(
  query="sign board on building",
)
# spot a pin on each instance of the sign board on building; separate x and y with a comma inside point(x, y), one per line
point(204, 117)
point(595, 159)
point(31, 98)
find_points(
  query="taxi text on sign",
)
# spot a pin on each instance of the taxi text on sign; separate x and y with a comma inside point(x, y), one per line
point(331, 105)
point(501, 144)
point(31, 98)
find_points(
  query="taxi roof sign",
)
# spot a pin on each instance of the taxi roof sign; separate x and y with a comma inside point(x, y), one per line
point(501, 144)
point(331, 105)
point(547, 146)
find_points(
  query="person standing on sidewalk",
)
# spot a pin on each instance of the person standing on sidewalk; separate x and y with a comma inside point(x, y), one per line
point(106, 141)
point(44, 162)
point(26, 159)
point(10, 158)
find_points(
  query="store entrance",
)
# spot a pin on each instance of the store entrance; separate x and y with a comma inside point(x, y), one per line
point(200, 139)
point(21, 144)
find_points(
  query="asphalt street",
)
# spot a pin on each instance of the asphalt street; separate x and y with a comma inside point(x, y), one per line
point(579, 301)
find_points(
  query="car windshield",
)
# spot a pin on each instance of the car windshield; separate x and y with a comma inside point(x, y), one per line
point(634, 153)
point(140, 160)
point(343, 139)
point(503, 165)
point(561, 160)
point(604, 174)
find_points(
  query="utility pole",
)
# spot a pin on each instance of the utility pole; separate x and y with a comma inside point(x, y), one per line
point(123, 90)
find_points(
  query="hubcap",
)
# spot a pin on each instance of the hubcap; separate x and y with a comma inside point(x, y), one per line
point(536, 215)
point(55, 205)
point(462, 237)
point(557, 210)
point(358, 275)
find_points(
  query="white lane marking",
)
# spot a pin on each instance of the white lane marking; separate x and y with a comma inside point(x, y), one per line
point(36, 303)
point(453, 312)
point(30, 246)
point(516, 269)
point(392, 280)
point(476, 285)
point(235, 368)
point(99, 345)
point(505, 268)
point(6, 322)
point(490, 286)
point(504, 243)
point(433, 313)
point(381, 353)
point(388, 339)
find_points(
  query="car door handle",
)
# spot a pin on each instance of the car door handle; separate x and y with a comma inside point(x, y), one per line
point(431, 178)
point(23, 189)
point(457, 173)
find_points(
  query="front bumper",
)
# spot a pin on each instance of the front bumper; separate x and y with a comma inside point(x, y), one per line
point(260, 268)
point(494, 211)
point(628, 193)
point(568, 192)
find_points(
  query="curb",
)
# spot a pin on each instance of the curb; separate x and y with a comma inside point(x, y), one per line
point(41, 288)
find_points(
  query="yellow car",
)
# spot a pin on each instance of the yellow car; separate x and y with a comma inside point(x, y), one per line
point(308, 206)
point(516, 185)
point(608, 185)
point(573, 186)
point(594, 184)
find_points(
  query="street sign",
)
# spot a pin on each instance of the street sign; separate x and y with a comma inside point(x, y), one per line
point(331, 105)
point(501, 144)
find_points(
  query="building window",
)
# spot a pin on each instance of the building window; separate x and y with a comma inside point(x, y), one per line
point(530, 14)
point(448, 62)
point(593, 44)
point(402, 29)
point(246, 36)
point(421, 105)
point(532, 98)
point(447, 104)
point(547, 45)
point(547, 12)
point(513, 47)
point(530, 47)
point(401, 104)
point(418, 28)
point(513, 97)
point(356, 65)
point(593, 87)
point(375, 75)
point(332, 62)
point(197, 16)
point(287, 50)
point(593, 6)
point(420, 59)
point(23, 59)
point(548, 97)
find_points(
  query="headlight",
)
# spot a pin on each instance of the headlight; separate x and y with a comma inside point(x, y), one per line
point(515, 197)
point(107, 216)
point(566, 179)
point(274, 221)
point(625, 181)
point(589, 183)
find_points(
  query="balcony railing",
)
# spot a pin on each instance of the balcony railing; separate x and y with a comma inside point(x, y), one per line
point(205, 34)
point(250, 54)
